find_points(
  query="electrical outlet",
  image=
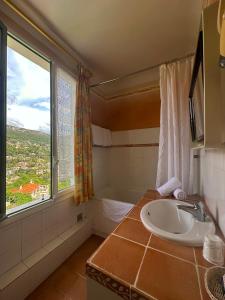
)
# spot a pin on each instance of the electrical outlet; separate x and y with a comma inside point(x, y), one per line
point(80, 217)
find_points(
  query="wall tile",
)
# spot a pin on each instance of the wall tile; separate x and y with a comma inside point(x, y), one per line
point(100, 169)
point(32, 245)
point(137, 136)
point(9, 259)
point(50, 224)
point(32, 225)
point(10, 250)
point(212, 173)
point(11, 237)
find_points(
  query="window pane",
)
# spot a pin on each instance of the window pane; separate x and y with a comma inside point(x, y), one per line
point(66, 97)
point(28, 127)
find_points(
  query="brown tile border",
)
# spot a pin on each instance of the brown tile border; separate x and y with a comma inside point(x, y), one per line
point(108, 282)
point(136, 294)
point(128, 145)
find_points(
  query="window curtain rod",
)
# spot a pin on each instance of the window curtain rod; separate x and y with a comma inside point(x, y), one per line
point(139, 71)
point(42, 32)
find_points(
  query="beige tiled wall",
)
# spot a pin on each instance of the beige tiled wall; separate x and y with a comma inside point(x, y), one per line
point(22, 238)
point(100, 168)
point(133, 169)
point(130, 171)
point(213, 183)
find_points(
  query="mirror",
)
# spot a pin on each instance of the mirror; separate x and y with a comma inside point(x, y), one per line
point(196, 97)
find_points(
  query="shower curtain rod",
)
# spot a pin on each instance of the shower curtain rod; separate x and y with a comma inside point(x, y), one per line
point(139, 71)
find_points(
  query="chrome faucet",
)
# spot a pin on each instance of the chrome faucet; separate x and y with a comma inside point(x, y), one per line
point(197, 210)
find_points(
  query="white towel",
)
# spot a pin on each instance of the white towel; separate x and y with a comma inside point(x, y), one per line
point(179, 194)
point(171, 185)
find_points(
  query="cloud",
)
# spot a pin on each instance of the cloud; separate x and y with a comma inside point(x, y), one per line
point(43, 105)
point(28, 93)
point(36, 79)
point(28, 117)
point(39, 103)
point(15, 79)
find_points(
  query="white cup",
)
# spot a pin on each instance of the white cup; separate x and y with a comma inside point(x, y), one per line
point(213, 249)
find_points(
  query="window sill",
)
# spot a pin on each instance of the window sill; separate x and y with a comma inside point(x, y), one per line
point(61, 195)
point(32, 209)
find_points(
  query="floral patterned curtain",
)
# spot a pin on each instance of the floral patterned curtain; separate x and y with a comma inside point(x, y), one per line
point(83, 141)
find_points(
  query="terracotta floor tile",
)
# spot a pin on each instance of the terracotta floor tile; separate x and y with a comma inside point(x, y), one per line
point(168, 278)
point(76, 264)
point(77, 261)
point(135, 213)
point(46, 293)
point(69, 284)
point(172, 248)
point(61, 285)
point(89, 246)
point(66, 283)
point(133, 230)
point(200, 259)
point(120, 257)
point(202, 282)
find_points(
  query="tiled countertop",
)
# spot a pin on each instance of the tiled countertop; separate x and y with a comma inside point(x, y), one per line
point(135, 264)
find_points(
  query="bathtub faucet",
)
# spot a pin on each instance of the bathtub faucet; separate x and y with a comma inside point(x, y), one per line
point(197, 210)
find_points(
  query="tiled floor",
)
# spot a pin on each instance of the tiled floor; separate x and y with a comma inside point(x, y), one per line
point(68, 282)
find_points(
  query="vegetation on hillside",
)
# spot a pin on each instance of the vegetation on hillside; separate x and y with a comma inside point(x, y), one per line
point(28, 162)
point(28, 175)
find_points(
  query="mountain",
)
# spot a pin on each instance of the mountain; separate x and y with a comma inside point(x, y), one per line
point(22, 134)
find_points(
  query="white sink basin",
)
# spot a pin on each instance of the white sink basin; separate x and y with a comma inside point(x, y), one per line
point(164, 219)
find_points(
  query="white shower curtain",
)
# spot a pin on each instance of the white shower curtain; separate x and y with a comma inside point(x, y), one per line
point(175, 155)
point(206, 3)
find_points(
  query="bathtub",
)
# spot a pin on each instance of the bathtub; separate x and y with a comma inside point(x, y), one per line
point(109, 208)
point(124, 195)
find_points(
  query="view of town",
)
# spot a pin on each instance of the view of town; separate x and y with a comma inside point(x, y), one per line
point(28, 169)
point(28, 166)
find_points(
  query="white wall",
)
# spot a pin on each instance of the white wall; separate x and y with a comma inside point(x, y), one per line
point(100, 168)
point(213, 183)
point(23, 234)
point(128, 170)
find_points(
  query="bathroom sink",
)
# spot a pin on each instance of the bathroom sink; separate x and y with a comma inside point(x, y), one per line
point(164, 219)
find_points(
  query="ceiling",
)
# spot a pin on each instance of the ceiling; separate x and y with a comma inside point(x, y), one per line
point(117, 37)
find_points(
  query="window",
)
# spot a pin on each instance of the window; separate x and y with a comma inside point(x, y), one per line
point(65, 95)
point(30, 124)
point(3, 36)
point(28, 147)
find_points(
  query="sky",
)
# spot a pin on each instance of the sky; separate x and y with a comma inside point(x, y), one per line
point(28, 93)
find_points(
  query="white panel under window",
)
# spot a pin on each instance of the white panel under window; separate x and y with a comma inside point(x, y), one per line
point(65, 99)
